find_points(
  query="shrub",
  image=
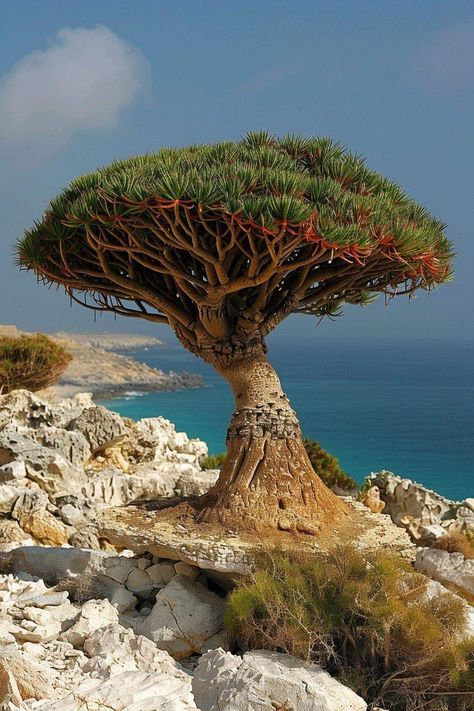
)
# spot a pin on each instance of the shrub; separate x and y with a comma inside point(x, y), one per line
point(324, 464)
point(30, 362)
point(366, 619)
point(213, 461)
point(456, 543)
point(327, 467)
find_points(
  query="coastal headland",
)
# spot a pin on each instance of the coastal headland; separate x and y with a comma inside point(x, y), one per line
point(98, 368)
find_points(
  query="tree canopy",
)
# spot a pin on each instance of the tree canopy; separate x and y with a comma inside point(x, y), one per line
point(223, 241)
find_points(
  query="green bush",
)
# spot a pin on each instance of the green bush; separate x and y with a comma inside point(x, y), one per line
point(30, 362)
point(366, 619)
point(324, 464)
point(213, 461)
point(327, 467)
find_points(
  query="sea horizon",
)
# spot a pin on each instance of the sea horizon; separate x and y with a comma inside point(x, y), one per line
point(407, 408)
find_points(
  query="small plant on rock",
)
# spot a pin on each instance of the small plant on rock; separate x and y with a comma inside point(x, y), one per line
point(30, 362)
point(367, 619)
point(213, 461)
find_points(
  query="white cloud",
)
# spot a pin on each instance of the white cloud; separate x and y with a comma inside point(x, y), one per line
point(446, 60)
point(80, 82)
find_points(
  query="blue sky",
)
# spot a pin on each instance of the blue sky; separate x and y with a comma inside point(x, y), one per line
point(392, 80)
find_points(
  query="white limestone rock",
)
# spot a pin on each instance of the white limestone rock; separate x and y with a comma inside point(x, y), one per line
point(101, 427)
point(94, 614)
point(12, 471)
point(9, 493)
point(417, 508)
point(265, 681)
point(22, 678)
point(114, 649)
point(128, 691)
point(45, 466)
point(64, 411)
point(25, 408)
point(184, 616)
point(167, 443)
point(161, 574)
point(54, 564)
point(43, 624)
point(73, 446)
point(71, 515)
point(447, 568)
point(139, 582)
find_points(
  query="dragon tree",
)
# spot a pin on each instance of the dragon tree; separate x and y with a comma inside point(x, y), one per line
point(222, 242)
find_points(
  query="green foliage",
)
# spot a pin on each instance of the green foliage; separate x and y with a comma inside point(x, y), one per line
point(261, 178)
point(380, 481)
point(364, 618)
point(324, 464)
point(30, 362)
point(214, 461)
point(327, 467)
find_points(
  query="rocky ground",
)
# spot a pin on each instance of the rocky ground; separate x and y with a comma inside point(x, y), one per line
point(97, 368)
point(102, 609)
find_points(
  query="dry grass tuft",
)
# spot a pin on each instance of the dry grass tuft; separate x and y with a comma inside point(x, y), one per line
point(456, 543)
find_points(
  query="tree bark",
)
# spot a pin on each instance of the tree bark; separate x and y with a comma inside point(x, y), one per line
point(267, 481)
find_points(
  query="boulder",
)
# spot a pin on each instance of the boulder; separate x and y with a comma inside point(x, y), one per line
point(447, 568)
point(73, 446)
point(71, 515)
point(418, 509)
point(12, 471)
point(161, 574)
point(33, 517)
point(25, 408)
point(42, 624)
point(94, 614)
point(54, 564)
point(129, 691)
point(9, 493)
point(114, 649)
point(22, 678)
point(167, 443)
point(262, 680)
point(184, 616)
point(10, 533)
point(85, 538)
point(45, 466)
point(139, 582)
point(100, 426)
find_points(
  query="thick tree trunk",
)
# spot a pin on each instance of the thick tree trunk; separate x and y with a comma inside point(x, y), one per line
point(267, 481)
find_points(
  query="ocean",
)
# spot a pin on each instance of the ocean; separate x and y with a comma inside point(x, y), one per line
point(408, 408)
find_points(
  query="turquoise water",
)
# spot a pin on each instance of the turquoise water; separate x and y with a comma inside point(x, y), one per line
point(409, 409)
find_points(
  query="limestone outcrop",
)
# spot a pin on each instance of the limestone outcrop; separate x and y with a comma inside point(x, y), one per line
point(62, 461)
point(265, 681)
point(104, 606)
point(425, 514)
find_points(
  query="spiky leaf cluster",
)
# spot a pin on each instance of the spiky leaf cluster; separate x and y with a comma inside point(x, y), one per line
point(261, 226)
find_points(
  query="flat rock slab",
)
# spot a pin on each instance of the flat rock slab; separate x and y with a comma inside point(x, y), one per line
point(172, 534)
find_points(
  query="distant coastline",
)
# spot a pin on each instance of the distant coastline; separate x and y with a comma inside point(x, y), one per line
point(98, 368)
